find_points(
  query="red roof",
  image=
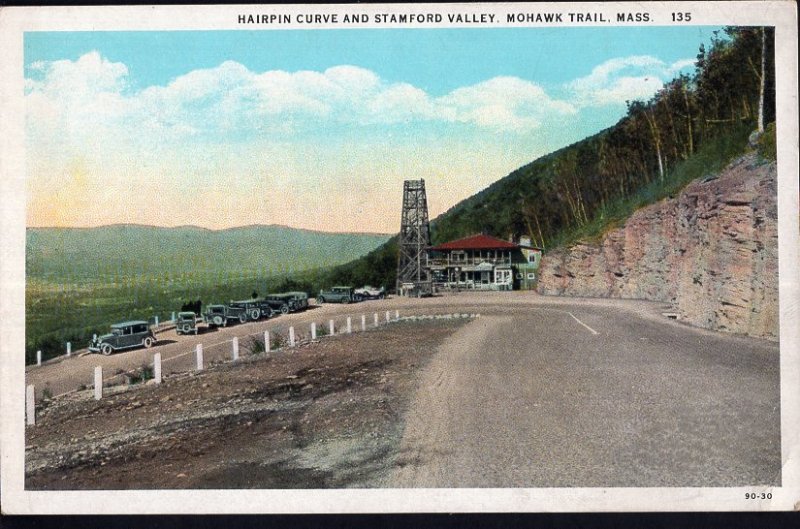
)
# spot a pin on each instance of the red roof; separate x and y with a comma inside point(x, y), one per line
point(476, 242)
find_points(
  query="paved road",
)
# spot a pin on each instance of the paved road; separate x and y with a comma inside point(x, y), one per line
point(549, 392)
point(66, 374)
point(590, 394)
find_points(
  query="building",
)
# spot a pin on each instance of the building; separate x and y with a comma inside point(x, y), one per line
point(484, 262)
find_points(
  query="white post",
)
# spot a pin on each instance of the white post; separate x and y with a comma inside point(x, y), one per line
point(156, 321)
point(30, 406)
point(363, 322)
point(235, 348)
point(69, 348)
point(376, 319)
point(349, 325)
point(291, 336)
point(313, 330)
point(266, 341)
point(331, 327)
point(199, 356)
point(173, 316)
point(388, 318)
point(38, 358)
point(397, 315)
point(157, 368)
point(98, 383)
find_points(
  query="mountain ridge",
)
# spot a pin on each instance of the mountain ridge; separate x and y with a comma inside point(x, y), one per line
point(203, 228)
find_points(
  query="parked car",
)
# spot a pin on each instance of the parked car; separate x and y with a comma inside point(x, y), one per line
point(368, 292)
point(220, 315)
point(186, 323)
point(125, 335)
point(338, 295)
point(300, 300)
point(254, 308)
point(416, 290)
point(288, 301)
point(278, 304)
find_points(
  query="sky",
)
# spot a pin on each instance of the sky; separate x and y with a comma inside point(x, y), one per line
point(315, 129)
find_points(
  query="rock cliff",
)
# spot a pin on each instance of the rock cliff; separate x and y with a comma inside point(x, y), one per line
point(712, 252)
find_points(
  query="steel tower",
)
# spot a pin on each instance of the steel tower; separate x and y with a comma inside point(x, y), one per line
point(415, 235)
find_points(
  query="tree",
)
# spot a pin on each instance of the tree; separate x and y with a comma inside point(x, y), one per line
point(762, 80)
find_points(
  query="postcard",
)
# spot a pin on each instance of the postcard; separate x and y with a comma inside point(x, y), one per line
point(399, 258)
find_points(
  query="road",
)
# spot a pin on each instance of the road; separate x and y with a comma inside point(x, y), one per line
point(548, 392)
point(586, 395)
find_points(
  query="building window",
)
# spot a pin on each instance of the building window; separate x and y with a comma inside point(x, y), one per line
point(531, 276)
point(531, 257)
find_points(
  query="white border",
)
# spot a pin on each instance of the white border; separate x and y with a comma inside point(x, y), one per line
point(15, 500)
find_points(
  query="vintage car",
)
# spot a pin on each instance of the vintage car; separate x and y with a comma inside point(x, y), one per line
point(288, 301)
point(125, 335)
point(338, 295)
point(416, 290)
point(369, 292)
point(186, 323)
point(299, 300)
point(254, 308)
point(220, 315)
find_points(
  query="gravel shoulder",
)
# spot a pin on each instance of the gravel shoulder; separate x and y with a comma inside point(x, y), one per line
point(327, 414)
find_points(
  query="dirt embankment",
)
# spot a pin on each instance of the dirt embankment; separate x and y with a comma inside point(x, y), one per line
point(712, 252)
point(327, 414)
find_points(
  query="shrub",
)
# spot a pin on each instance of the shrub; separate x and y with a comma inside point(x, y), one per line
point(766, 144)
point(256, 346)
point(143, 374)
point(277, 341)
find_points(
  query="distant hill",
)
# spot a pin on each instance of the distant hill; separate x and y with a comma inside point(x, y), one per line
point(131, 251)
point(80, 280)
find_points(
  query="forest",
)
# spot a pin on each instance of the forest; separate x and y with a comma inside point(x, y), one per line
point(693, 126)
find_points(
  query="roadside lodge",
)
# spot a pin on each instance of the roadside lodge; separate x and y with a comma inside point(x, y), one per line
point(483, 262)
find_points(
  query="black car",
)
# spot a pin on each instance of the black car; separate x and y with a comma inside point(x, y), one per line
point(125, 335)
point(254, 308)
point(219, 315)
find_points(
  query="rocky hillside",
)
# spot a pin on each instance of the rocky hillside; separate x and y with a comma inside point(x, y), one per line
point(712, 251)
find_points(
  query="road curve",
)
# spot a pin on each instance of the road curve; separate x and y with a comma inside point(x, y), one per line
point(585, 393)
point(546, 392)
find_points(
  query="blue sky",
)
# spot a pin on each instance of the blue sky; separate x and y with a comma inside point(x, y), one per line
point(319, 114)
point(437, 60)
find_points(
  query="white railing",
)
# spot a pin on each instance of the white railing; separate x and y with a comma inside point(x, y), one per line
point(278, 340)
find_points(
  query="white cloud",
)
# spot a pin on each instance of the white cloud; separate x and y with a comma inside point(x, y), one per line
point(230, 102)
point(502, 103)
point(624, 79)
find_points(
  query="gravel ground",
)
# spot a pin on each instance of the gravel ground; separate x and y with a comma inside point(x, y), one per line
point(326, 414)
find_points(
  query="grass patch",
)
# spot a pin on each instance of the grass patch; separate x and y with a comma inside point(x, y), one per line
point(256, 346)
point(141, 375)
point(766, 146)
point(277, 341)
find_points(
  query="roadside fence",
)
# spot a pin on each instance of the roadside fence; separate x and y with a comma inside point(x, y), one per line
point(282, 339)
